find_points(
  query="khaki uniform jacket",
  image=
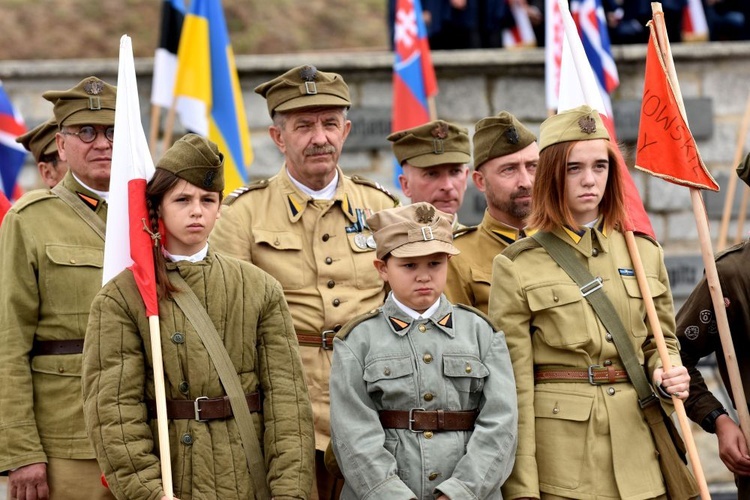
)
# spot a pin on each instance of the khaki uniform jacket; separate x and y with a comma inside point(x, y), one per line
point(51, 267)
point(699, 335)
point(248, 309)
point(470, 272)
point(454, 360)
point(318, 252)
point(578, 440)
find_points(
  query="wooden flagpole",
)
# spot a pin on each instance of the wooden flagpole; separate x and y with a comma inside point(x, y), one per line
point(169, 125)
point(162, 420)
point(712, 276)
point(153, 137)
point(729, 200)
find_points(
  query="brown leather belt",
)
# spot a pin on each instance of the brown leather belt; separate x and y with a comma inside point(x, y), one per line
point(203, 408)
point(594, 374)
point(323, 340)
point(49, 347)
point(418, 420)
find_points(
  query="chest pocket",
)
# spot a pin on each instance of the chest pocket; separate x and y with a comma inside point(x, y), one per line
point(73, 277)
point(635, 302)
point(465, 372)
point(389, 381)
point(481, 276)
point(560, 314)
point(280, 254)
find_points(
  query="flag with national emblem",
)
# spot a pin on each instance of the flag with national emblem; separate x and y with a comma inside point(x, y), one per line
point(12, 154)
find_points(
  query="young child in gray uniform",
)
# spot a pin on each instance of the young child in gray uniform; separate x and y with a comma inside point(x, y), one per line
point(423, 401)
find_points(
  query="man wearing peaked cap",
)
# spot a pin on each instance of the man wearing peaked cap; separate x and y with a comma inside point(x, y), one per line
point(505, 158)
point(434, 158)
point(52, 248)
point(306, 227)
point(42, 143)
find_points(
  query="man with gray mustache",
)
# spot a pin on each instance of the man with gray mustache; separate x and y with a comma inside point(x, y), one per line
point(306, 227)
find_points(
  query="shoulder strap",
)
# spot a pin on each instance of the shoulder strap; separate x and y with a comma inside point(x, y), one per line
point(592, 289)
point(79, 207)
point(192, 308)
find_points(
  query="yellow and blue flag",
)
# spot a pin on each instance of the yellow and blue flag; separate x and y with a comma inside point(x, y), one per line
point(208, 90)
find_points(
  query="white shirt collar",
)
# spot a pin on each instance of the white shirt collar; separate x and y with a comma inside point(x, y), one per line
point(104, 195)
point(327, 193)
point(414, 314)
point(196, 257)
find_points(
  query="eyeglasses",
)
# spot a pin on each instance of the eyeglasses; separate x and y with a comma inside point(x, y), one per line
point(88, 134)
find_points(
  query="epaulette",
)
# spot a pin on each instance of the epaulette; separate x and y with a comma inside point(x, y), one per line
point(32, 197)
point(349, 326)
point(520, 246)
point(732, 249)
point(478, 313)
point(461, 231)
point(232, 197)
point(367, 182)
point(647, 237)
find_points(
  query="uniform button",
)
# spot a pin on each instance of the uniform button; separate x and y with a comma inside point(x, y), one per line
point(61, 369)
point(178, 338)
point(427, 358)
point(326, 237)
point(72, 261)
point(276, 243)
point(427, 434)
point(186, 439)
point(608, 362)
point(433, 476)
point(556, 298)
point(468, 368)
point(594, 252)
point(611, 391)
point(555, 410)
point(422, 328)
point(329, 261)
point(428, 396)
point(608, 337)
point(336, 302)
point(386, 371)
point(331, 283)
point(184, 387)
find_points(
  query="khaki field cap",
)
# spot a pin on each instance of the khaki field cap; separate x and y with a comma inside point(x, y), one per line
point(304, 87)
point(412, 231)
point(434, 143)
point(499, 135)
point(578, 124)
point(41, 139)
point(197, 160)
point(91, 102)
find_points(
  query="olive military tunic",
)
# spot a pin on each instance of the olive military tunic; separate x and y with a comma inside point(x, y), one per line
point(470, 272)
point(454, 360)
point(318, 251)
point(578, 440)
point(247, 307)
point(51, 267)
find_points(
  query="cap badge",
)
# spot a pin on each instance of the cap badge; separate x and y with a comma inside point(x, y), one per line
point(93, 87)
point(308, 74)
point(587, 124)
point(512, 135)
point(439, 132)
point(425, 214)
point(208, 180)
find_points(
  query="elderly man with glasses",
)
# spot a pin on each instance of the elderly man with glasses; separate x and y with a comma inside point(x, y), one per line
point(51, 257)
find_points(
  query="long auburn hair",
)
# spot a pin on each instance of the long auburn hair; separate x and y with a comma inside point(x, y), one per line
point(549, 209)
point(160, 184)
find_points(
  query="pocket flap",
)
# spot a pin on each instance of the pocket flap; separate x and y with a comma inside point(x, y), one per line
point(564, 406)
point(68, 255)
point(558, 294)
point(631, 286)
point(281, 240)
point(481, 276)
point(464, 365)
point(384, 369)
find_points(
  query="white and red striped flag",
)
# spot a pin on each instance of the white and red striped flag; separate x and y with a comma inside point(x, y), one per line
point(694, 24)
point(553, 48)
point(521, 35)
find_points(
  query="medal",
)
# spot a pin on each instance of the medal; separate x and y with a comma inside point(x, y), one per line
point(371, 241)
point(360, 240)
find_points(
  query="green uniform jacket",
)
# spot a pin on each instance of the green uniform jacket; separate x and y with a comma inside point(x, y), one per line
point(319, 252)
point(51, 266)
point(470, 272)
point(248, 309)
point(578, 440)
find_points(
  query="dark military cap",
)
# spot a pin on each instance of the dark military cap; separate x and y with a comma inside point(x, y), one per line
point(41, 139)
point(304, 87)
point(197, 160)
point(743, 170)
point(434, 143)
point(578, 124)
point(499, 135)
point(91, 102)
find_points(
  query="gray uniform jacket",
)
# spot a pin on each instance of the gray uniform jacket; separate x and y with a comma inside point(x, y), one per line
point(454, 360)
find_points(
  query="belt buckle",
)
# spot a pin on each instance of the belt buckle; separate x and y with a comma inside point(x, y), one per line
point(411, 419)
point(591, 374)
point(324, 339)
point(591, 287)
point(197, 407)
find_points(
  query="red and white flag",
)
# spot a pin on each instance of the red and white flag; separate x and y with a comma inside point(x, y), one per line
point(521, 35)
point(128, 243)
point(694, 24)
point(553, 48)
